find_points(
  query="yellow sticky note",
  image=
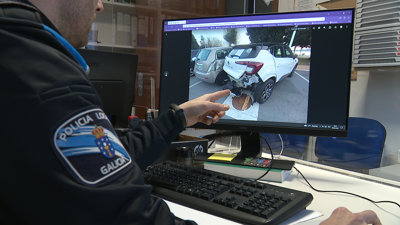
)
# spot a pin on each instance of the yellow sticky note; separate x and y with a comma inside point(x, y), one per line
point(222, 157)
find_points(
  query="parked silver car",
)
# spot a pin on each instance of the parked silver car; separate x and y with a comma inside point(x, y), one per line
point(256, 68)
point(209, 63)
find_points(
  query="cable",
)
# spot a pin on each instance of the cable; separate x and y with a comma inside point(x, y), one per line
point(344, 192)
point(212, 142)
point(281, 145)
point(214, 136)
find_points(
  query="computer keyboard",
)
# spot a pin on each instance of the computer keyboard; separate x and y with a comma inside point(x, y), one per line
point(233, 198)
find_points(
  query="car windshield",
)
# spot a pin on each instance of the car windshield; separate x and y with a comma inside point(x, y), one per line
point(203, 54)
point(241, 53)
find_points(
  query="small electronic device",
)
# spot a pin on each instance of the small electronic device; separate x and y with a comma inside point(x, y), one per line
point(113, 75)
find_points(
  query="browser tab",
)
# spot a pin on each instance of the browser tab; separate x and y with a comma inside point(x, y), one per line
point(176, 22)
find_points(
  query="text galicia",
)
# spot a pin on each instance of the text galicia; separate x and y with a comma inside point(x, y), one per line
point(117, 163)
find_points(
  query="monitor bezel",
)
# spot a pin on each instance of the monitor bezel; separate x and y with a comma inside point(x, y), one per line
point(248, 128)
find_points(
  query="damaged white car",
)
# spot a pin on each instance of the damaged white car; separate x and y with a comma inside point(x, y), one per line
point(256, 68)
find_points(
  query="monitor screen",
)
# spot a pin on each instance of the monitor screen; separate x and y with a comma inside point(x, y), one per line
point(289, 73)
point(113, 75)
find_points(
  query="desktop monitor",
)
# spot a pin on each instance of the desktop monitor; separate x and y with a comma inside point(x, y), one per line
point(289, 73)
point(113, 75)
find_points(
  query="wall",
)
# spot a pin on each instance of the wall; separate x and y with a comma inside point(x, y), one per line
point(376, 95)
point(233, 7)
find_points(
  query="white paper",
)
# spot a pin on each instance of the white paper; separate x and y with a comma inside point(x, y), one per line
point(127, 22)
point(304, 5)
point(120, 21)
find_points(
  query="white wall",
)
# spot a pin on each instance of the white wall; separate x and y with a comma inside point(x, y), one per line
point(376, 95)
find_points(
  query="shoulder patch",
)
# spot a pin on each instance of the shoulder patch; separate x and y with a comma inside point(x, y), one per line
point(90, 150)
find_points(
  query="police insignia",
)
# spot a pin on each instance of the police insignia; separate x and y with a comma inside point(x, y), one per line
point(103, 142)
point(90, 150)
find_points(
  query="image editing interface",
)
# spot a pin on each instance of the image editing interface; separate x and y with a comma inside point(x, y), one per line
point(287, 72)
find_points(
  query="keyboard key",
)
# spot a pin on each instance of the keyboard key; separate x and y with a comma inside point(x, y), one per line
point(267, 213)
point(238, 180)
point(197, 193)
point(182, 189)
point(247, 194)
point(164, 184)
point(279, 205)
point(245, 208)
point(230, 198)
point(207, 196)
point(189, 191)
point(212, 193)
point(221, 189)
point(217, 200)
point(231, 204)
point(223, 202)
point(257, 212)
point(286, 200)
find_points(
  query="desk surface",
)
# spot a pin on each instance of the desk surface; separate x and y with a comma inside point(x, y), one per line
point(389, 172)
point(321, 179)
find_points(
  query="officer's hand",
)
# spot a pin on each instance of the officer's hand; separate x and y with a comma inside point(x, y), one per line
point(342, 216)
point(204, 109)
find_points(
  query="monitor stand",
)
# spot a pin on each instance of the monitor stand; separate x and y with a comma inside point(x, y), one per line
point(251, 145)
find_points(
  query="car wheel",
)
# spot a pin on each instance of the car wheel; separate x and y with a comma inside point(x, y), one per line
point(291, 74)
point(191, 72)
point(222, 78)
point(263, 91)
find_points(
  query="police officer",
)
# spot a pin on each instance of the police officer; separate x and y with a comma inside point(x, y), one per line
point(61, 161)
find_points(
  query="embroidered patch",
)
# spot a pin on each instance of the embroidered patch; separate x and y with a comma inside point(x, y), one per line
point(88, 147)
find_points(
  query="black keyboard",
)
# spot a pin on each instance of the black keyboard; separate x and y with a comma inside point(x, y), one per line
point(233, 198)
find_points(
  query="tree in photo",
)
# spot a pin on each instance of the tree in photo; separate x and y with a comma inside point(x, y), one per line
point(270, 34)
point(210, 42)
point(202, 42)
point(231, 36)
point(194, 44)
point(302, 39)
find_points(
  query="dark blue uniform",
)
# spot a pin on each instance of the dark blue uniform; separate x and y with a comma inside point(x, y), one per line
point(61, 162)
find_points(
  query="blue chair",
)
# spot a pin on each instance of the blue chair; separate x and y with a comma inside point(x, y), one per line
point(293, 145)
point(361, 150)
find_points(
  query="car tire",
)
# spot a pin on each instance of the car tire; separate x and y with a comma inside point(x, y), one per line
point(222, 78)
point(291, 73)
point(191, 72)
point(263, 91)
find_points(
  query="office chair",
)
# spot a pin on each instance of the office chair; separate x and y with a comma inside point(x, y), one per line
point(293, 145)
point(360, 151)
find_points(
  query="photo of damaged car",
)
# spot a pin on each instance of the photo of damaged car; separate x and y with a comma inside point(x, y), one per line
point(208, 65)
point(254, 69)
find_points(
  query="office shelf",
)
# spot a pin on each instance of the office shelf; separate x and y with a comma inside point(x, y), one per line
point(134, 26)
